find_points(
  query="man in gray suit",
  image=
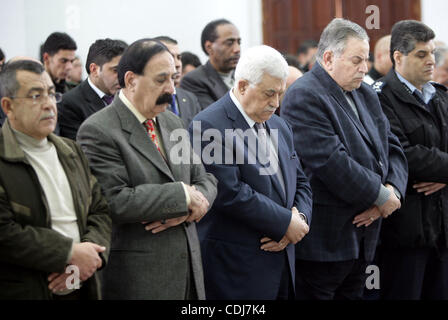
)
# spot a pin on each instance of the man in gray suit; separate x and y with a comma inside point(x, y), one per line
point(220, 41)
point(184, 104)
point(154, 199)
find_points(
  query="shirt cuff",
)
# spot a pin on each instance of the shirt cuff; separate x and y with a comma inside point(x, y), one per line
point(187, 195)
point(383, 196)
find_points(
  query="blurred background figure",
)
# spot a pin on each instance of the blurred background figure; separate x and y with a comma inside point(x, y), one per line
point(441, 67)
point(190, 61)
point(305, 54)
point(2, 59)
point(381, 62)
point(74, 77)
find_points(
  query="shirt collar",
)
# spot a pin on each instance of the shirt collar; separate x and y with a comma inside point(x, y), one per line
point(428, 90)
point(249, 121)
point(141, 118)
point(100, 93)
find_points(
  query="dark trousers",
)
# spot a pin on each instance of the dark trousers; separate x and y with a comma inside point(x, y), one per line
point(286, 290)
point(414, 274)
point(342, 280)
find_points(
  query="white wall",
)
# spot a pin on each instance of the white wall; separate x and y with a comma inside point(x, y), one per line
point(434, 14)
point(25, 24)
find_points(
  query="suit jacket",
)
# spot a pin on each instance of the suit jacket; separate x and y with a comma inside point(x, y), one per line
point(188, 105)
point(249, 206)
point(76, 106)
point(205, 83)
point(421, 220)
point(346, 158)
point(141, 187)
point(30, 250)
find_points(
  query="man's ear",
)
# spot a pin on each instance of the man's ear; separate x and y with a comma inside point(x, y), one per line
point(46, 57)
point(130, 80)
point(6, 103)
point(242, 86)
point(328, 59)
point(208, 47)
point(398, 56)
point(93, 68)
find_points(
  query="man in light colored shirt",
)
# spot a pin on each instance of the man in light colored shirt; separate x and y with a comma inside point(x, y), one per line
point(53, 218)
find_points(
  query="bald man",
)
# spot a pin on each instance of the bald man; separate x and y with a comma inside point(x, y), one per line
point(382, 63)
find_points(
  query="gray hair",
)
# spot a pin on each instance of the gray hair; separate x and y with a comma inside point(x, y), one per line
point(8, 76)
point(335, 35)
point(257, 61)
point(440, 54)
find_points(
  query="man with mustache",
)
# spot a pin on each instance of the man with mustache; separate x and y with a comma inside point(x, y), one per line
point(414, 243)
point(94, 93)
point(263, 207)
point(52, 212)
point(155, 200)
point(221, 42)
point(356, 166)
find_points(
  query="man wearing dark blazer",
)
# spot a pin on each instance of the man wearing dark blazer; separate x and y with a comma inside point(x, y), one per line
point(185, 104)
point(154, 197)
point(220, 41)
point(94, 93)
point(263, 205)
point(414, 246)
point(356, 166)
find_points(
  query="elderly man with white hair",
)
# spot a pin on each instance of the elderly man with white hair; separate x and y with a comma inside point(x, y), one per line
point(263, 207)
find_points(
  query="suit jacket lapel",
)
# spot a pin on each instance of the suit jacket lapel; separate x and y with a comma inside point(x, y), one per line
point(281, 152)
point(164, 130)
point(139, 139)
point(93, 99)
point(219, 87)
point(367, 121)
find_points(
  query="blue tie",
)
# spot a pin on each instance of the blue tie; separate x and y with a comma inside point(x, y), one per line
point(174, 106)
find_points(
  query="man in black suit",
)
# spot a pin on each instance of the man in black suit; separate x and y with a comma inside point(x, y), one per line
point(94, 93)
point(185, 104)
point(414, 246)
point(220, 40)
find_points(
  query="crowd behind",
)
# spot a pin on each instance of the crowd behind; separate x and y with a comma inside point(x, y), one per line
point(358, 141)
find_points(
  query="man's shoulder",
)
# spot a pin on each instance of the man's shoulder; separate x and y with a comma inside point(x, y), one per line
point(76, 95)
point(198, 74)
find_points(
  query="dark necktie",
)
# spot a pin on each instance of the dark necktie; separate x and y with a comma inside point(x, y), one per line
point(173, 106)
point(108, 99)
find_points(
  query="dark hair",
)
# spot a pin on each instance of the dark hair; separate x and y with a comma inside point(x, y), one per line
point(8, 76)
point(190, 58)
point(102, 51)
point(58, 41)
point(209, 32)
point(166, 39)
point(405, 35)
point(137, 55)
point(292, 61)
point(2, 55)
point(306, 45)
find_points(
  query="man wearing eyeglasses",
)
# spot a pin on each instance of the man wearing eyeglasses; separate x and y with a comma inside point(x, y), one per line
point(54, 222)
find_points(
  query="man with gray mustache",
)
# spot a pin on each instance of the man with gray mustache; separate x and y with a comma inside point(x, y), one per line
point(53, 217)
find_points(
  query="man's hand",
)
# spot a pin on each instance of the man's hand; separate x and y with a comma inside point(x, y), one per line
point(58, 281)
point(367, 217)
point(392, 204)
point(273, 246)
point(297, 227)
point(158, 226)
point(428, 187)
point(198, 204)
point(85, 256)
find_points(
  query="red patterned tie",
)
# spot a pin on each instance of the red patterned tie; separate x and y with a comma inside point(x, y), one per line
point(149, 125)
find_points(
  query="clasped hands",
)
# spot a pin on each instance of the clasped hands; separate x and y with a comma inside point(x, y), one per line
point(197, 209)
point(297, 229)
point(85, 256)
